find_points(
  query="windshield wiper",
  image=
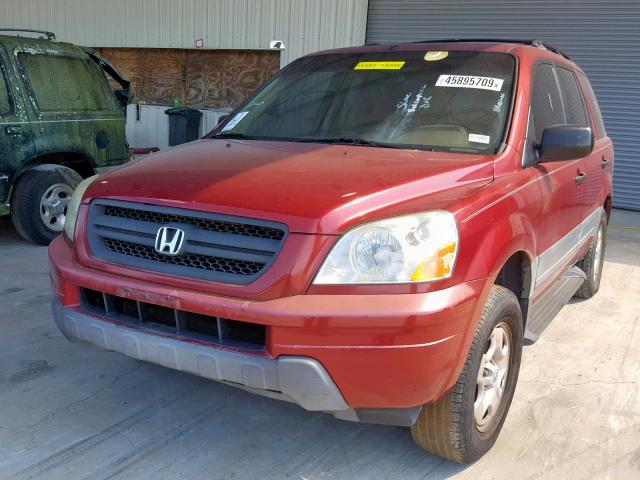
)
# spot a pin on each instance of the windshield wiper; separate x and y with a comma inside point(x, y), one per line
point(363, 142)
point(240, 136)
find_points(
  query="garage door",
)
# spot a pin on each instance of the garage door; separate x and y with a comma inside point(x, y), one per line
point(603, 37)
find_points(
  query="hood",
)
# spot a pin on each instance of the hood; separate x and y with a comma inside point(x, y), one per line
point(313, 188)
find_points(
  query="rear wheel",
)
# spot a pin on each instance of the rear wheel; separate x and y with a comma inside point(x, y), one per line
point(39, 203)
point(593, 261)
point(464, 425)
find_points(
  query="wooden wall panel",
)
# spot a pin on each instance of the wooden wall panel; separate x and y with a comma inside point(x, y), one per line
point(155, 74)
point(200, 78)
point(225, 77)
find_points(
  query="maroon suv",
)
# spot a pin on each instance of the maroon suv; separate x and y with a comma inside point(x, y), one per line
point(372, 234)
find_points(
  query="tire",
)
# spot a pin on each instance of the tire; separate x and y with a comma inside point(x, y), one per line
point(448, 428)
point(592, 263)
point(38, 204)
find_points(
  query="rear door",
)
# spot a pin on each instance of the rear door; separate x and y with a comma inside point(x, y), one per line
point(16, 139)
point(73, 109)
point(600, 163)
point(576, 114)
point(560, 182)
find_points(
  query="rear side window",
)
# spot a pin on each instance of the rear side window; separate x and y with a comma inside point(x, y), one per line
point(65, 84)
point(5, 102)
point(546, 103)
point(591, 98)
point(572, 97)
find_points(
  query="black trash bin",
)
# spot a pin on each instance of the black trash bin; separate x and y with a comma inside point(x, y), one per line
point(184, 125)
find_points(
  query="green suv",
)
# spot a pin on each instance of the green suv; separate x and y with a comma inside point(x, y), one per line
point(60, 121)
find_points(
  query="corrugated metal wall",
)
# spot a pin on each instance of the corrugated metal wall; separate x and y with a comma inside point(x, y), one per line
point(304, 25)
point(603, 37)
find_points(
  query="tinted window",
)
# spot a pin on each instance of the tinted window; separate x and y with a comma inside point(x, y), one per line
point(446, 101)
point(65, 84)
point(572, 97)
point(591, 98)
point(546, 104)
point(5, 103)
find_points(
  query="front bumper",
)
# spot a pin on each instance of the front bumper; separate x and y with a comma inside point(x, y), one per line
point(294, 379)
point(372, 358)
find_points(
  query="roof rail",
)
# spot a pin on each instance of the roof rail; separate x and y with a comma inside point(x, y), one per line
point(533, 43)
point(551, 48)
point(46, 35)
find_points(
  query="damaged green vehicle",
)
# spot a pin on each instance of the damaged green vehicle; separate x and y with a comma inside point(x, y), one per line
point(60, 121)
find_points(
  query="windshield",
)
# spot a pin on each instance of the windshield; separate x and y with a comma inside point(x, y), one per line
point(451, 101)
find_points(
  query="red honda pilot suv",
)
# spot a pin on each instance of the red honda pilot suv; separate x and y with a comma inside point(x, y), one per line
point(374, 233)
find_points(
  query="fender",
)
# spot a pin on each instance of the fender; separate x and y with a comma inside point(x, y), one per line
point(50, 160)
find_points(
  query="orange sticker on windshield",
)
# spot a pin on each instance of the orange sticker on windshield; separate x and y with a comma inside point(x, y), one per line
point(379, 65)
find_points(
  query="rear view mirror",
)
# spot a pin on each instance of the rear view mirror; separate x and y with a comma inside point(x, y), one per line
point(565, 142)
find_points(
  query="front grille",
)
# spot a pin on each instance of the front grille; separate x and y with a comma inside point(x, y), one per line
point(216, 247)
point(192, 260)
point(202, 223)
point(222, 331)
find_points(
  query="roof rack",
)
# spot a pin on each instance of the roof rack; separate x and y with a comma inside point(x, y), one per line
point(46, 35)
point(533, 43)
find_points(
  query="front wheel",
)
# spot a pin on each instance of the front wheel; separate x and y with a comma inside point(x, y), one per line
point(39, 203)
point(464, 425)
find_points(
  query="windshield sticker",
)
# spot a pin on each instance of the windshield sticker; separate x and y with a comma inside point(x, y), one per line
point(498, 106)
point(470, 81)
point(477, 138)
point(379, 65)
point(234, 121)
point(435, 56)
point(414, 101)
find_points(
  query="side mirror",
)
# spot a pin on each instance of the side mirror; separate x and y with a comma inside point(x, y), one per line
point(565, 142)
point(124, 97)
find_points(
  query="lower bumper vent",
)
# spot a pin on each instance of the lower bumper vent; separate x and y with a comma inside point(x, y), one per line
point(223, 331)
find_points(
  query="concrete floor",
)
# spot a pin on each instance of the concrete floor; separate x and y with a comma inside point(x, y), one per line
point(73, 411)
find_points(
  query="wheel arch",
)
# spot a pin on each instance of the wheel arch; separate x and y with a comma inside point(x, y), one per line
point(517, 274)
point(607, 205)
point(79, 163)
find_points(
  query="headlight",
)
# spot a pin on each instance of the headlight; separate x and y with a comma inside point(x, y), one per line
point(412, 248)
point(74, 205)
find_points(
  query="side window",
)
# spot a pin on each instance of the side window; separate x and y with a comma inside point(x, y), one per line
point(572, 98)
point(65, 84)
point(591, 98)
point(5, 101)
point(546, 104)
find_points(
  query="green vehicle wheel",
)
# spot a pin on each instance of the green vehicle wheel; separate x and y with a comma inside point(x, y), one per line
point(39, 203)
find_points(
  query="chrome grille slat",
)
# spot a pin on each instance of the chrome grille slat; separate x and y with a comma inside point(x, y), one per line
point(216, 247)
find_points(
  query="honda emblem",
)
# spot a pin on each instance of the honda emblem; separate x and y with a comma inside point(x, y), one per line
point(169, 240)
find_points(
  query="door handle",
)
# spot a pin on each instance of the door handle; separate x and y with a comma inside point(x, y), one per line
point(581, 178)
point(13, 130)
point(604, 164)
